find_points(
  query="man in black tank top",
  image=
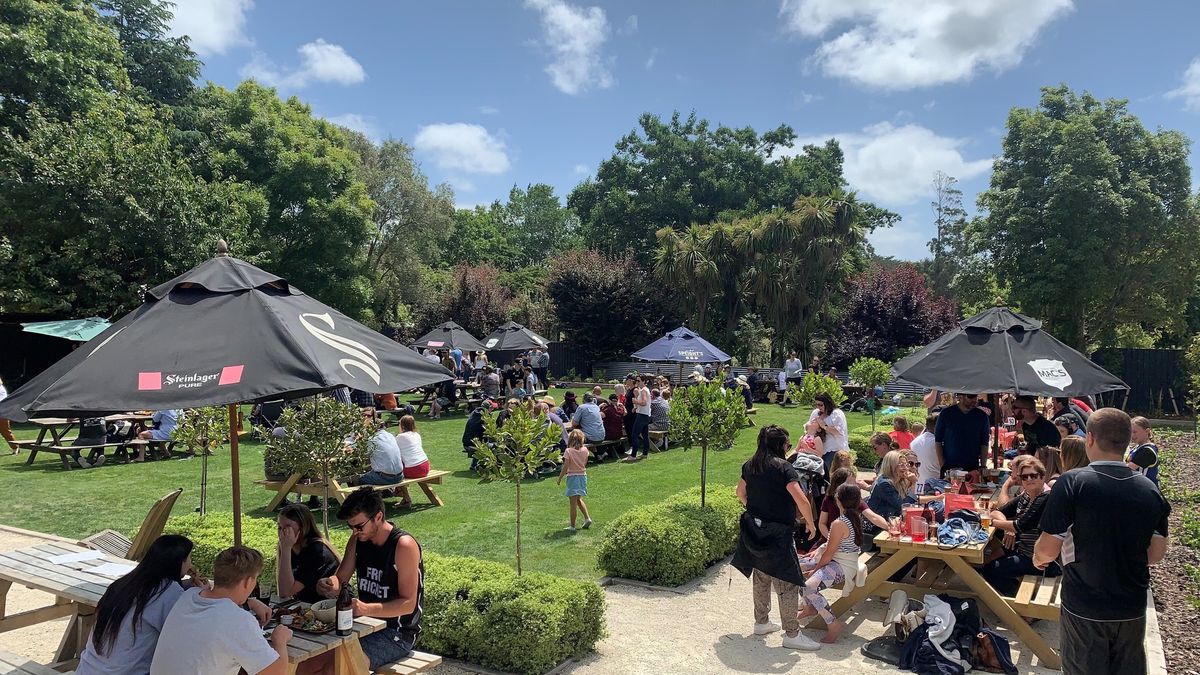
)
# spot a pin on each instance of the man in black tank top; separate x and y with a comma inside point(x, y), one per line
point(391, 577)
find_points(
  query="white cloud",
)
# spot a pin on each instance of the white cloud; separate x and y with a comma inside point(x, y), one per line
point(631, 25)
point(907, 44)
point(806, 97)
point(583, 169)
point(574, 36)
point(1189, 91)
point(903, 241)
point(652, 58)
point(489, 110)
point(320, 62)
point(363, 125)
point(895, 164)
point(213, 26)
point(462, 147)
point(461, 184)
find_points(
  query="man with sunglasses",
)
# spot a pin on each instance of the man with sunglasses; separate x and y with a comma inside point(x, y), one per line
point(391, 577)
point(961, 436)
point(1038, 431)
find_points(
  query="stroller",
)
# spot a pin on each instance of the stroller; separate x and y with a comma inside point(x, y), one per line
point(813, 481)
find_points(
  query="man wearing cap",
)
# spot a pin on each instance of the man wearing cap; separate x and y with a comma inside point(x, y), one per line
point(961, 436)
point(588, 419)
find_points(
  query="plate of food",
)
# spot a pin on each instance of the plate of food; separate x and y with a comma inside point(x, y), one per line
point(307, 621)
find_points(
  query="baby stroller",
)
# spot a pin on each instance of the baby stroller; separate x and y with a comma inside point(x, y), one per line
point(813, 481)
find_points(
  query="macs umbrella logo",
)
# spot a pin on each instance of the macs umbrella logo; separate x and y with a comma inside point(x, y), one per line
point(1051, 372)
point(361, 357)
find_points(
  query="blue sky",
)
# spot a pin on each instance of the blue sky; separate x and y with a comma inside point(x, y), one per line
point(493, 94)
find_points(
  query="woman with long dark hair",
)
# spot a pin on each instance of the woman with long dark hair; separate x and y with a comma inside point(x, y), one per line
point(131, 612)
point(304, 557)
point(830, 419)
point(770, 490)
point(836, 560)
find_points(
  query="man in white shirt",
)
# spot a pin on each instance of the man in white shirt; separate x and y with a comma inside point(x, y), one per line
point(387, 464)
point(208, 632)
point(926, 448)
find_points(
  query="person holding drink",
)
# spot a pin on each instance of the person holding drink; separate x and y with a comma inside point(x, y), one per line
point(1018, 519)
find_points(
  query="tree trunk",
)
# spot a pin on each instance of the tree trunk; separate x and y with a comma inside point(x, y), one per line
point(518, 527)
point(703, 472)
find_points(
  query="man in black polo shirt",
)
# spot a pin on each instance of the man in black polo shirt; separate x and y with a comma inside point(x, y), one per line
point(961, 436)
point(1109, 523)
point(1038, 431)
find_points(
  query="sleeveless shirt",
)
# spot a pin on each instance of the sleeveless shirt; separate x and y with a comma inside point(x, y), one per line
point(378, 580)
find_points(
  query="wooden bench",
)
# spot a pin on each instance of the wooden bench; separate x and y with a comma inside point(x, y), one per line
point(613, 448)
point(12, 664)
point(750, 413)
point(660, 440)
point(68, 453)
point(338, 490)
point(1038, 597)
point(415, 663)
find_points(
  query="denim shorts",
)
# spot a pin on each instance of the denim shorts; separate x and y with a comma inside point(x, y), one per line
point(577, 486)
point(386, 646)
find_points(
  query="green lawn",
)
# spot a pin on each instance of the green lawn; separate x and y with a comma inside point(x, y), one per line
point(477, 519)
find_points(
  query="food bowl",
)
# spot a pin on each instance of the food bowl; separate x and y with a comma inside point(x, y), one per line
point(325, 610)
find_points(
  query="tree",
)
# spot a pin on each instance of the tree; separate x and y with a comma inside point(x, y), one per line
point(476, 300)
point(870, 373)
point(516, 451)
point(202, 431)
point(608, 307)
point(478, 238)
point(684, 260)
point(816, 383)
point(323, 438)
point(1089, 218)
point(887, 311)
point(706, 415)
point(163, 67)
point(949, 244)
point(537, 225)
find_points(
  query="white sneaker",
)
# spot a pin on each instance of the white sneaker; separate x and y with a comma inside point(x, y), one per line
point(765, 628)
point(100, 461)
point(801, 642)
point(587, 523)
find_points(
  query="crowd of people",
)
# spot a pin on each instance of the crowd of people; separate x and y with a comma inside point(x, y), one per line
point(165, 618)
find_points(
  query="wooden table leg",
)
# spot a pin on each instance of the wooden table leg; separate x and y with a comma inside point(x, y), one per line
point(1007, 615)
point(282, 495)
point(349, 659)
point(4, 586)
point(76, 635)
point(431, 494)
point(33, 448)
point(874, 578)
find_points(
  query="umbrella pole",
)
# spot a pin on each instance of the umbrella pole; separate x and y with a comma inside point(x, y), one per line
point(236, 475)
point(203, 471)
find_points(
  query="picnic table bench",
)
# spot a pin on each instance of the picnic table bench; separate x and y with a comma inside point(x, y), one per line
point(69, 454)
point(613, 448)
point(13, 664)
point(415, 663)
point(338, 490)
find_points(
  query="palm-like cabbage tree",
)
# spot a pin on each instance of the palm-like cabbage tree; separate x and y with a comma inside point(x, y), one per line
point(683, 259)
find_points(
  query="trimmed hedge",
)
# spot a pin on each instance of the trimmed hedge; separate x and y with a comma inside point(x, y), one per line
point(475, 610)
point(864, 454)
point(672, 541)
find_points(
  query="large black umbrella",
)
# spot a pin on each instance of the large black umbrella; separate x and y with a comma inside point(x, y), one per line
point(1001, 351)
point(513, 336)
point(223, 333)
point(448, 336)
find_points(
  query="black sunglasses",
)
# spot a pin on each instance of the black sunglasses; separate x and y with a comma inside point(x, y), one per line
point(1030, 476)
point(361, 526)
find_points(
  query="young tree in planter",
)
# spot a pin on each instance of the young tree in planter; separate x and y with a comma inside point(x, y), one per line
point(518, 449)
point(323, 439)
point(203, 430)
point(871, 373)
point(813, 384)
point(706, 415)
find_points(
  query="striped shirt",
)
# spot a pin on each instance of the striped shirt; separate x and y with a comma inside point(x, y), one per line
point(847, 544)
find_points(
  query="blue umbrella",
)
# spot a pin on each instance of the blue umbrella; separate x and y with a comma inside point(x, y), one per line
point(77, 330)
point(681, 346)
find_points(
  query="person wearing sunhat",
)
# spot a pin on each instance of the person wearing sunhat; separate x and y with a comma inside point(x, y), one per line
point(570, 405)
point(743, 386)
point(697, 377)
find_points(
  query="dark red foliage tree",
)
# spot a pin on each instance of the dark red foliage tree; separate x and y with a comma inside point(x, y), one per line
point(608, 307)
point(887, 311)
point(476, 299)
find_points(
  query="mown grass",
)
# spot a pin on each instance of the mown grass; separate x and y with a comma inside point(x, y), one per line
point(477, 520)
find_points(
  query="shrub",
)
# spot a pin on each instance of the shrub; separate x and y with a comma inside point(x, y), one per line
point(475, 610)
point(672, 541)
point(864, 454)
point(813, 384)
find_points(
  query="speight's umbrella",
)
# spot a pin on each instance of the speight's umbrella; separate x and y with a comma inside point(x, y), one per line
point(448, 336)
point(1001, 351)
point(76, 330)
point(681, 346)
point(223, 333)
point(513, 336)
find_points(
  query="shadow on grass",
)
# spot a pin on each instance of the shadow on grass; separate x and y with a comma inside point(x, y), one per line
point(555, 535)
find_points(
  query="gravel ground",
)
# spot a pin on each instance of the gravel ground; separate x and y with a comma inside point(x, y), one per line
point(1174, 592)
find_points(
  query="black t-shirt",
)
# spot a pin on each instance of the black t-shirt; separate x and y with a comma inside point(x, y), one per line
point(314, 562)
point(1106, 515)
point(767, 496)
point(1041, 433)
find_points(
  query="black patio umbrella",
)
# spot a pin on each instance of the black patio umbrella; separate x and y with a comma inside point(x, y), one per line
point(513, 336)
point(223, 333)
point(448, 336)
point(1001, 351)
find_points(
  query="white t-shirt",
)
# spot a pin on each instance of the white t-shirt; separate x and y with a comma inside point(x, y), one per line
point(210, 636)
point(926, 450)
point(840, 440)
point(411, 452)
point(130, 652)
point(793, 367)
point(643, 409)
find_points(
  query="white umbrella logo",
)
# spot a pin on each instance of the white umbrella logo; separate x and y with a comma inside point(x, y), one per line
point(364, 359)
point(1051, 372)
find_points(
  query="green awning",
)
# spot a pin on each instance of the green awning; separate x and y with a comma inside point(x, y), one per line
point(79, 330)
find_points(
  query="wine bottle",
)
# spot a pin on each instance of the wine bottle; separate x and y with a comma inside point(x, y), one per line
point(345, 611)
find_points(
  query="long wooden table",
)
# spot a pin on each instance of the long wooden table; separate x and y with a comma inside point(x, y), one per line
point(77, 592)
point(962, 562)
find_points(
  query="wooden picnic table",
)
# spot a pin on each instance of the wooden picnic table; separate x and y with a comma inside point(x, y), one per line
point(338, 490)
point(59, 427)
point(77, 592)
point(949, 563)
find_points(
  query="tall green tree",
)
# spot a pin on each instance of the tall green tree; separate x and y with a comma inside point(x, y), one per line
point(162, 66)
point(1089, 218)
point(478, 238)
point(949, 243)
point(537, 225)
